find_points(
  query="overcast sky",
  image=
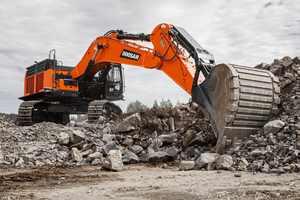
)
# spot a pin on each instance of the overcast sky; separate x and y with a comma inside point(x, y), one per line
point(234, 31)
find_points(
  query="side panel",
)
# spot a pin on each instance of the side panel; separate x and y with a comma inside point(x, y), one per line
point(30, 85)
point(39, 86)
point(48, 76)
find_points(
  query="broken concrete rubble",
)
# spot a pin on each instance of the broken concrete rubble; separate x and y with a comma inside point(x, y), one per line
point(181, 135)
point(113, 160)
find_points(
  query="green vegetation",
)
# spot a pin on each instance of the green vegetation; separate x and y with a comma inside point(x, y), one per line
point(11, 116)
point(166, 103)
point(78, 118)
point(135, 106)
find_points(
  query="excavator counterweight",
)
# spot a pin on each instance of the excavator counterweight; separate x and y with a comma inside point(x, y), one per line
point(238, 100)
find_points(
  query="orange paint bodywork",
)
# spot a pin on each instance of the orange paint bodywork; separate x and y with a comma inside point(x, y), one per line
point(165, 55)
point(46, 81)
point(180, 69)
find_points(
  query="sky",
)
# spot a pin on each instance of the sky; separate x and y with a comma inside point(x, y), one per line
point(238, 32)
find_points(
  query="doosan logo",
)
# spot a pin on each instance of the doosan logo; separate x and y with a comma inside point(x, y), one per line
point(130, 55)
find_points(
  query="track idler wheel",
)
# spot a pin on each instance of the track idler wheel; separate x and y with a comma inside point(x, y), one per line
point(238, 100)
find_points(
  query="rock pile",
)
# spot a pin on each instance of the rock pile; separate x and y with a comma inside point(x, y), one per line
point(181, 135)
point(153, 135)
point(276, 147)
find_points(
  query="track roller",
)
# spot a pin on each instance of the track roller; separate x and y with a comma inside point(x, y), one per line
point(103, 108)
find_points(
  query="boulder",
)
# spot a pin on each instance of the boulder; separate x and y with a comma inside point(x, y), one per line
point(205, 159)
point(95, 155)
point(168, 138)
point(136, 149)
point(155, 144)
point(76, 155)
point(171, 124)
point(133, 119)
point(128, 124)
point(88, 146)
point(110, 146)
point(273, 126)
point(77, 136)
point(97, 161)
point(129, 157)
point(187, 165)
point(128, 141)
point(113, 160)
point(157, 124)
point(172, 152)
point(123, 126)
point(223, 162)
point(159, 156)
point(106, 138)
point(256, 152)
point(188, 137)
point(198, 140)
point(296, 60)
point(106, 130)
point(87, 152)
point(63, 138)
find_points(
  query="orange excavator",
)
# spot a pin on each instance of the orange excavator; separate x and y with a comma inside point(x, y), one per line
point(238, 100)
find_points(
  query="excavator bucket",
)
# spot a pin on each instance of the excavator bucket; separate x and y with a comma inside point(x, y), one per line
point(238, 100)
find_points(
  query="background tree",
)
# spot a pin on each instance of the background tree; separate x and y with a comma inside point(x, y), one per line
point(166, 103)
point(178, 103)
point(155, 104)
point(135, 106)
point(11, 116)
point(78, 118)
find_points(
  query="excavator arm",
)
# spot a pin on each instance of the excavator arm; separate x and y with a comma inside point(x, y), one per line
point(238, 100)
point(171, 54)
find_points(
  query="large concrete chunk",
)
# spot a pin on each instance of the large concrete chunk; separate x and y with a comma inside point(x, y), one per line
point(136, 149)
point(168, 138)
point(76, 155)
point(154, 146)
point(205, 159)
point(273, 126)
point(108, 138)
point(77, 136)
point(187, 165)
point(188, 137)
point(130, 157)
point(128, 124)
point(113, 160)
point(109, 146)
point(63, 138)
point(123, 127)
point(133, 119)
point(159, 156)
point(223, 162)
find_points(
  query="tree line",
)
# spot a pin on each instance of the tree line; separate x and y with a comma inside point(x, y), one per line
point(137, 105)
point(11, 116)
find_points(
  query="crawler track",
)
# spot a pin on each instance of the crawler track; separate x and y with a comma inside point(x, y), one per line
point(99, 108)
point(25, 113)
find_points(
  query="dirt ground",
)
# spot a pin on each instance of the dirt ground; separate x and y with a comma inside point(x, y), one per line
point(141, 181)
